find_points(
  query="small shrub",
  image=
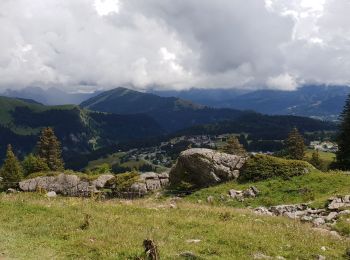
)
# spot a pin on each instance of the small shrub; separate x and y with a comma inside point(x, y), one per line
point(262, 167)
point(123, 182)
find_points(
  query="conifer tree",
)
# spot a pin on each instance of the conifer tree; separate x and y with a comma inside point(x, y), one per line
point(234, 147)
point(295, 146)
point(49, 149)
point(32, 164)
point(343, 140)
point(11, 171)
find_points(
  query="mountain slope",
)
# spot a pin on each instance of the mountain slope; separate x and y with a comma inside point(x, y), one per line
point(51, 96)
point(170, 112)
point(79, 130)
point(318, 101)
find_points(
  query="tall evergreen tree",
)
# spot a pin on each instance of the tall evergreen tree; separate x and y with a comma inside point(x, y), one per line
point(295, 145)
point(11, 171)
point(343, 140)
point(49, 149)
point(234, 147)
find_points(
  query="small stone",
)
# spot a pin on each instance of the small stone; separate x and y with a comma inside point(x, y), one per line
point(344, 212)
point(255, 190)
point(290, 215)
point(233, 193)
point(280, 257)
point(335, 234)
point(195, 241)
point(51, 194)
point(320, 257)
point(10, 190)
point(306, 218)
point(323, 248)
point(261, 256)
point(249, 193)
point(318, 221)
point(210, 199)
point(331, 216)
point(173, 206)
point(199, 201)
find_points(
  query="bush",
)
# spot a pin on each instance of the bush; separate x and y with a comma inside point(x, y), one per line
point(123, 182)
point(261, 167)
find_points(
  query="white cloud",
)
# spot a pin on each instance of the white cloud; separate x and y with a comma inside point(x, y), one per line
point(174, 44)
point(283, 81)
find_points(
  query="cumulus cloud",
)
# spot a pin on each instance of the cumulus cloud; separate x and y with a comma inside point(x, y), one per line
point(84, 44)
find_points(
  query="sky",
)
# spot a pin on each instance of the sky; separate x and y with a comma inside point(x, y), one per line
point(83, 45)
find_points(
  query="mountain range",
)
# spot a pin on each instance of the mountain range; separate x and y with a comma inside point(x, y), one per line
point(170, 112)
point(317, 101)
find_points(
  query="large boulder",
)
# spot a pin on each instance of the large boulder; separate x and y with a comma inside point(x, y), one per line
point(205, 167)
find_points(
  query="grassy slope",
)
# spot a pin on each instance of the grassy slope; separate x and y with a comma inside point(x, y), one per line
point(315, 187)
point(33, 227)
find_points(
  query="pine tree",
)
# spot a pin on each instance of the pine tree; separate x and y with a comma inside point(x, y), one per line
point(11, 171)
point(32, 164)
point(295, 146)
point(343, 154)
point(234, 147)
point(49, 149)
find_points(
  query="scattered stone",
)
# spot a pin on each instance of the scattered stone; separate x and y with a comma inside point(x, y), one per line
point(331, 216)
point(51, 194)
point(210, 199)
point(10, 190)
point(195, 241)
point(320, 257)
point(318, 222)
point(344, 212)
point(336, 204)
point(261, 256)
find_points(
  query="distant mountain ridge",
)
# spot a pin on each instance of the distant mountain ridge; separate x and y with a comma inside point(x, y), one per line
point(170, 112)
point(317, 101)
point(50, 96)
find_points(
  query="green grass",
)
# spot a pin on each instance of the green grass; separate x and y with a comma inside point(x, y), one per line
point(35, 227)
point(110, 160)
point(325, 156)
point(315, 187)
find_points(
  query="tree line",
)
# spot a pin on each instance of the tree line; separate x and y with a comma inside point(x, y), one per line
point(47, 156)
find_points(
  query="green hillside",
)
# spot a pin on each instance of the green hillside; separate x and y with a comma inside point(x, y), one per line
point(78, 129)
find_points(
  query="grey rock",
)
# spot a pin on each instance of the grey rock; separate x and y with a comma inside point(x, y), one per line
point(51, 194)
point(139, 188)
point(318, 221)
point(331, 216)
point(320, 257)
point(233, 193)
point(149, 175)
point(344, 212)
point(153, 184)
point(210, 199)
point(204, 167)
point(10, 190)
point(101, 181)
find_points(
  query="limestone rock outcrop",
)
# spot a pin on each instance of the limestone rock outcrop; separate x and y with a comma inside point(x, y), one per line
point(205, 167)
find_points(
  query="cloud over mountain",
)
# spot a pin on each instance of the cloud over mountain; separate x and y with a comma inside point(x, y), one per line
point(89, 44)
